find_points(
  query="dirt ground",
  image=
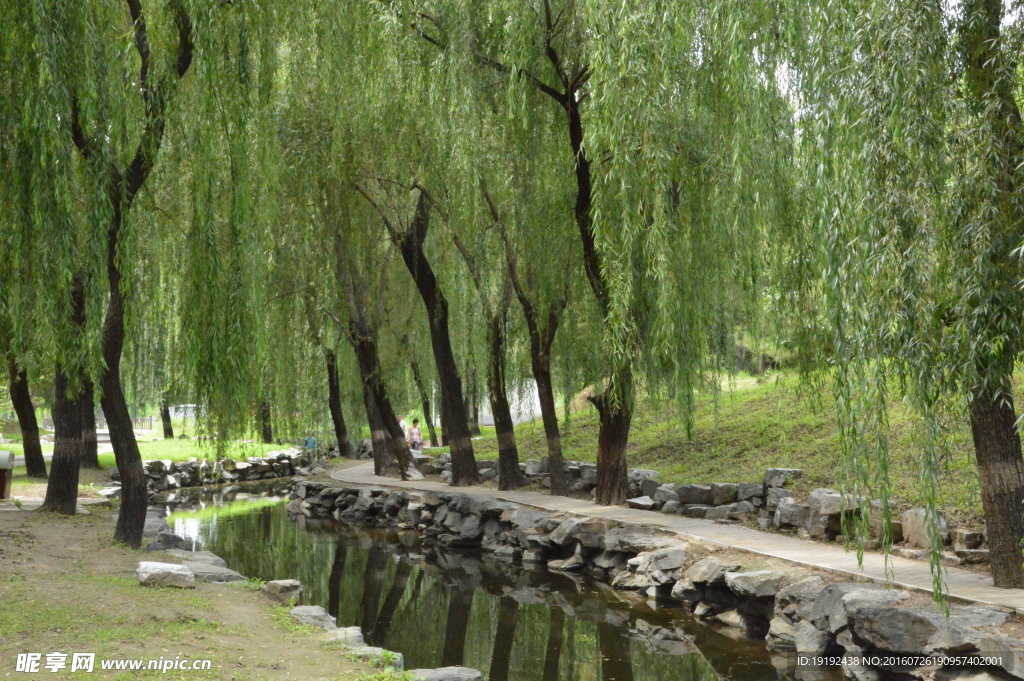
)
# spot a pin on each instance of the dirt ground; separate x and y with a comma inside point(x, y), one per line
point(64, 587)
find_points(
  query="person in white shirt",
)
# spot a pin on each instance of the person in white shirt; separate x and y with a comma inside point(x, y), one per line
point(416, 435)
point(403, 426)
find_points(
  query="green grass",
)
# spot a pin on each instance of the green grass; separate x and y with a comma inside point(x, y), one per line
point(180, 450)
point(755, 426)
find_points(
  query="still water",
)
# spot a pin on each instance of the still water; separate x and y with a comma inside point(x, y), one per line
point(441, 608)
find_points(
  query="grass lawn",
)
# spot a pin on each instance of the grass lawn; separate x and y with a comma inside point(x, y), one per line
point(754, 426)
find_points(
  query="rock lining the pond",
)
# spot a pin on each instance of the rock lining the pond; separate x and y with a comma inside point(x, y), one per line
point(314, 615)
point(446, 674)
point(163, 474)
point(151, 573)
point(287, 591)
point(807, 615)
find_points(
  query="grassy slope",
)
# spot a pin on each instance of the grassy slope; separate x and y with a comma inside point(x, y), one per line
point(753, 427)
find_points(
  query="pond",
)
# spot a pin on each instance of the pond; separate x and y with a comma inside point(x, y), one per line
point(442, 607)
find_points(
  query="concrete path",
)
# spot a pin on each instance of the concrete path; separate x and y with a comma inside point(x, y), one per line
point(963, 585)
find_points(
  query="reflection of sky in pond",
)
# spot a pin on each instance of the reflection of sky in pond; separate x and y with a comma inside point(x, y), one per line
point(462, 608)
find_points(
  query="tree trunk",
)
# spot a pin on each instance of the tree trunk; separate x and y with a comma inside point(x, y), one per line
point(165, 418)
point(553, 654)
point(425, 401)
point(365, 346)
point(391, 601)
point(21, 398)
point(334, 403)
point(90, 446)
point(473, 406)
point(384, 461)
point(616, 662)
point(997, 449)
point(460, 604)
point(613, 434)
point(62, 488)
point(334, 579)
point(504, 637)
point(266, 425)
point(509, 475)
point(542, 376)
point(453, 413)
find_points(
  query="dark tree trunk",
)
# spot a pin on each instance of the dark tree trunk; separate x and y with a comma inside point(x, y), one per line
point(334, 403)
point(1001, 473)
point(509, 475)
point(334, 580)
point(384, 461)
point(90, 446)
point(266, 425)
point(612, 436)
point(473, 406)
point(553, 654)
point(365, 346)
point(453, 413)
point(165, 418)
point(391, 601)
point(460, 603)
point(21, 398)
point(425, 402)
point(501, 657)
point(542, 376)
point(373, 586)
point(616, 662)
point(62, 488)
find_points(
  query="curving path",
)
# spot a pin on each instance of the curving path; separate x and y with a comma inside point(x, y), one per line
point(963, 585)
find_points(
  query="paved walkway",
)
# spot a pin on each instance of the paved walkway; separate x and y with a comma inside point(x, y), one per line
point(963, 585)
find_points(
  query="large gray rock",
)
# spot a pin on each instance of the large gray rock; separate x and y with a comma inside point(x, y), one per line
point(639, 538)
point(747, 490)
point(165, 539)
point(709, 571)
point(315, 615)
point(666, 493)
point(781, 635)
point(287, 591)
point(207, 572)
point(378, 656)
point(154, 526)
point(446, 674)
point(694, 494)
point(915, 528)
point(775, 495)
point(649, 487)
point(641, 503)
point(758, 584)
point(165, 574)
point(829, 613)
point(897, 628)
point(825, 501)
point(723, 493)
point(564, 533)
point(778, 477)
point(660, 567)
point(197, 557)
point(570, 564)
point(808, 639)
point(967, 540)
point(790, 514)
point(795, 601)
point(347, 636)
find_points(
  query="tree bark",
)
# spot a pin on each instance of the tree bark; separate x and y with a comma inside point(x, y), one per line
point(90, 445)
point(384, 461)
point(365, 346)
point(553, 653)
point(454, 419)
point(266, 425)
point(21, 399)
point(424, 401)
point(334, 403)
point(473, 406)
point(165, 418)
point(509, 475)
point(62, 488)
point(1000, 464)
point(460, 604)
point(504, 637)
point(615, 417)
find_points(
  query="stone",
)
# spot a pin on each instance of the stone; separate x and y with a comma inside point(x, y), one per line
point(287, 591)
point(709, 571)
point(723, 493)
point(379, 657)
point(778, 477)
point(155, 526)
point(524, 517)
point(825, 501)
point(564, 533)
point(915, 528)
point(315, 615)
point(781, 635)
point(670, 507)
point(967, 540)
point(649, 487)
point(207, 572)
point(774, 496)
point(694, 494)
point(666, 493)
point(446, 674)
point(165, 539)
point(470, 528)
point(758, 584)
point(695, 511)
point(609, 560)
point(662, 565)
point(197, 557)
point(346, 636)
point(808, 639)
point(591, 534)
point(828, 613)
point(972, 556)
point(641, 503)
point(571, 564)
point(794, 602)
point(639, 538)
point(741, 510)
point(165, 574)
point(790, 514)
point(534, 468)
point(747, 490)
point(719, 512)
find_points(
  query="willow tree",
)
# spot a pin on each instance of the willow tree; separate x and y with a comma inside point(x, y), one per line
point(914, 158)
point(677, 133)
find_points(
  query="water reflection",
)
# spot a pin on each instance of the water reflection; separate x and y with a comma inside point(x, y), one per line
point(449, 608)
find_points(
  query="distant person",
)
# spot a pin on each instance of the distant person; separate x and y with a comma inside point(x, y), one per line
point(403, 426)
point(311, 444)
point(416, 435)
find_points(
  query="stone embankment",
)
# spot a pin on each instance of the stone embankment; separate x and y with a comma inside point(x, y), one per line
point(805, 616)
